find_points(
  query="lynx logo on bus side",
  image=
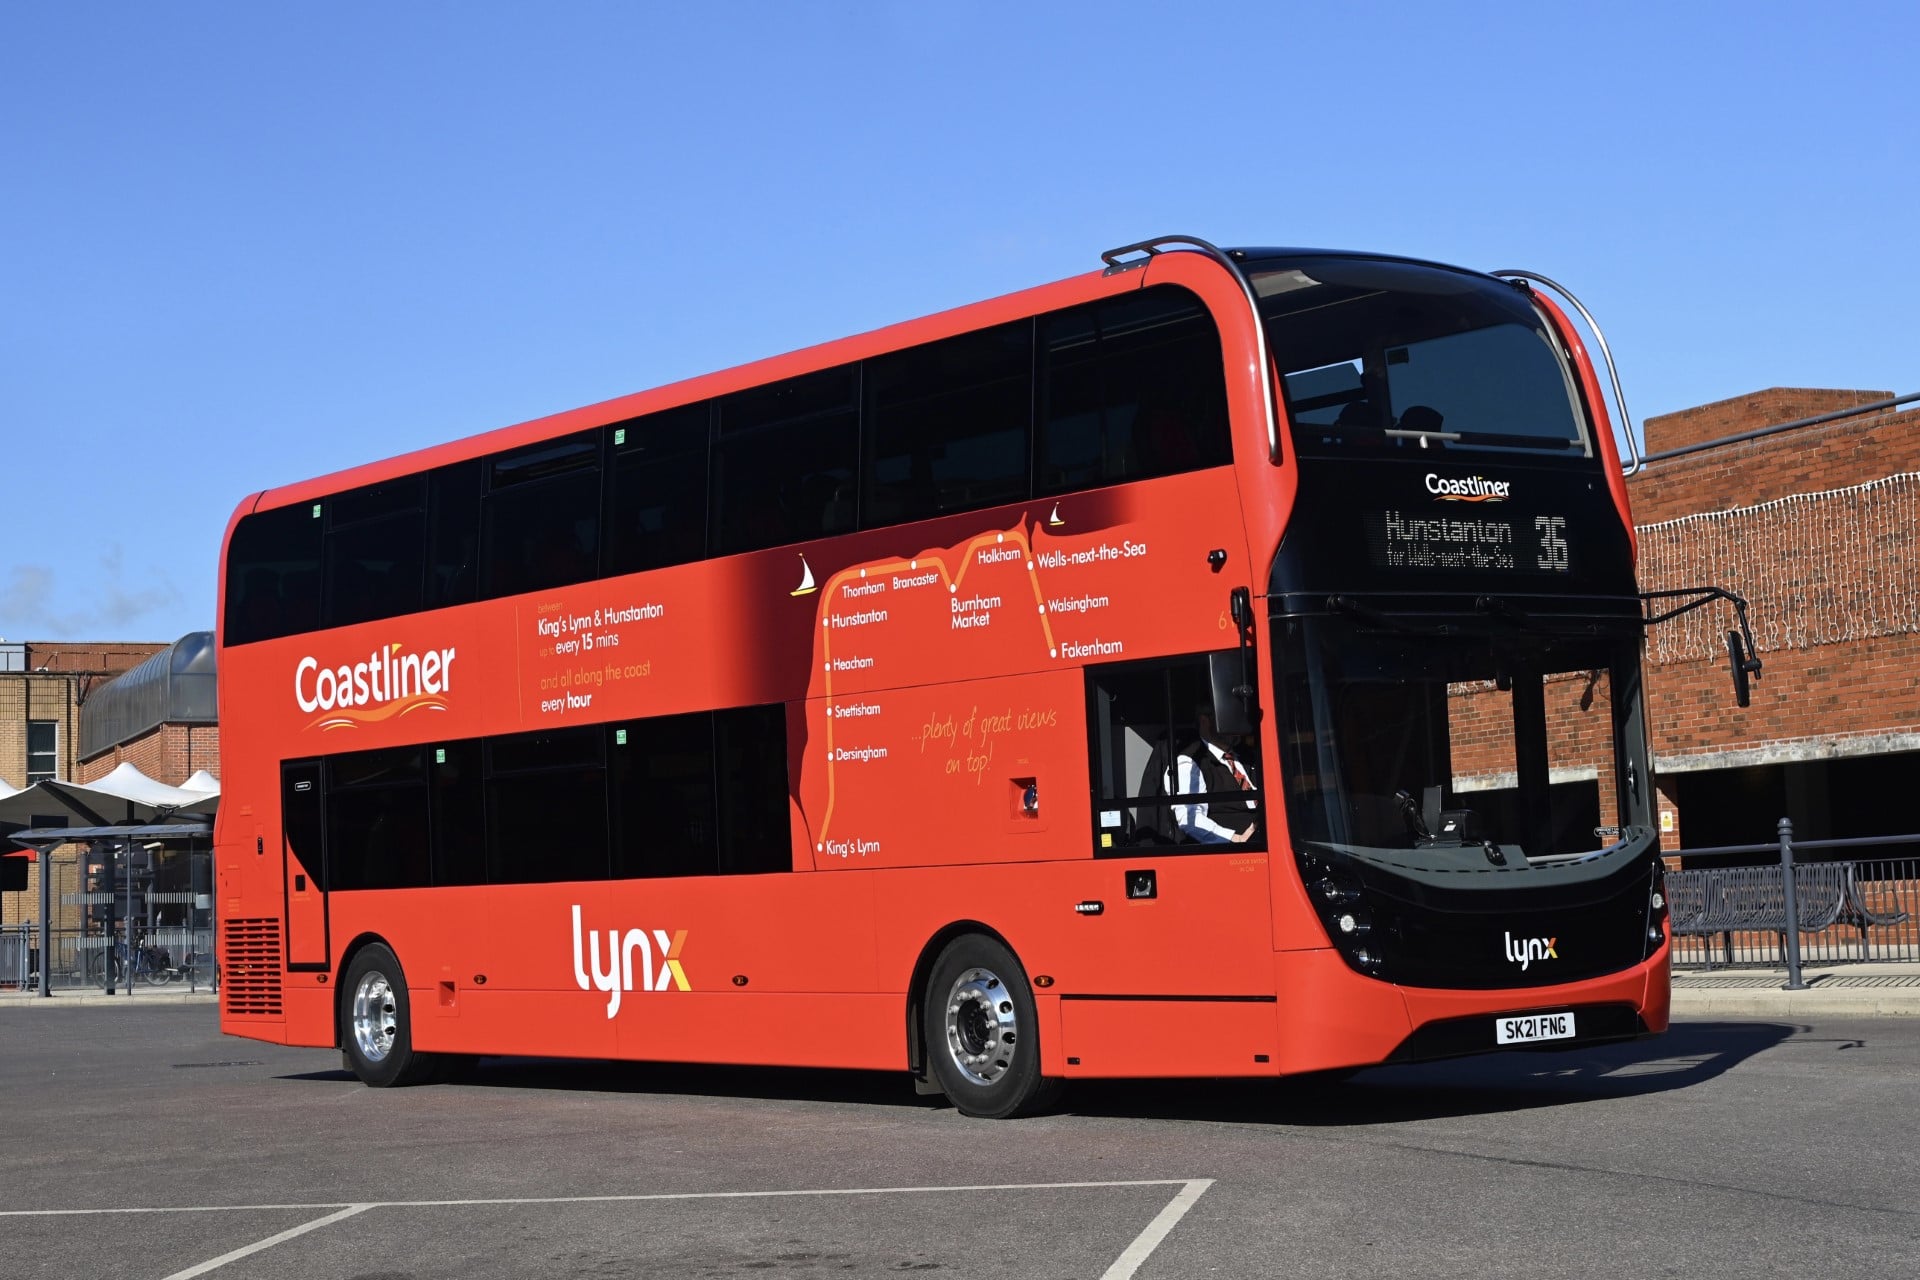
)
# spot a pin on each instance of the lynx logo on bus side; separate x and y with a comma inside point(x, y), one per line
point(619, 973)
point(1472, 489)
point(1524, 951)
point(388, 684)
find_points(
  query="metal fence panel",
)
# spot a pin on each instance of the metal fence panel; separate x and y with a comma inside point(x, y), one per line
point(172, 917)
point(1878, 916)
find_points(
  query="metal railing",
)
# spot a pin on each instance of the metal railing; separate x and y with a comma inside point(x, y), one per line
point(163, 932)
point(1845, 909)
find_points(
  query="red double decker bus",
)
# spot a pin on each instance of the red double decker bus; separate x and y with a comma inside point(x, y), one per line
point(1226, 663)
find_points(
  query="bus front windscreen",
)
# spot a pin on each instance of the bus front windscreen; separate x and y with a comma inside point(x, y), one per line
point(1434, 740)
point(1398, 358)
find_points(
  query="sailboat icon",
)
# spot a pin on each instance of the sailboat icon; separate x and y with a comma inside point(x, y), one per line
point(1054, 521)
point(806, 587)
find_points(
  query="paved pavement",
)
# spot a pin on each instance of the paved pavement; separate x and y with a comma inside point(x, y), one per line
point(140, 1142)
point(1874, 990)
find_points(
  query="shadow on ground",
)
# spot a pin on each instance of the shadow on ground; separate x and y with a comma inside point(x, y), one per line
point(1689, 1054)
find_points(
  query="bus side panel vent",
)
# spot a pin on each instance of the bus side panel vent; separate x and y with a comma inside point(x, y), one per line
point(250, 971)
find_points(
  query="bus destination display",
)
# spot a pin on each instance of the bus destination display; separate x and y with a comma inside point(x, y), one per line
point(1399, 539)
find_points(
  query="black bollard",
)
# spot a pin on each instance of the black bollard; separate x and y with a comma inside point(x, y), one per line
point(1793, 908)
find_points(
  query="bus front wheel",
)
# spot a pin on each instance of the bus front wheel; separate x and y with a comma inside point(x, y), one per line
point(981, 1033)
point(375, 1021)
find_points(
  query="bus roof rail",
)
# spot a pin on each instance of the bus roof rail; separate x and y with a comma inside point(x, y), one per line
point(1613, 374)
point(1152, 248)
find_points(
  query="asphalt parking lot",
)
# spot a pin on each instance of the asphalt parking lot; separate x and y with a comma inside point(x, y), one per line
point(140, 1142)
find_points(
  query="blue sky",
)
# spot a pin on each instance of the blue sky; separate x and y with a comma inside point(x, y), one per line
point(243, 244)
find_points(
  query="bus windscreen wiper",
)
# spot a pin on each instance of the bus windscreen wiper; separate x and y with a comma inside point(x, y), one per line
point(1352, 608)
point(1504, 610)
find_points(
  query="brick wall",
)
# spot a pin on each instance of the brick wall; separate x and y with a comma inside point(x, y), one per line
point(1807, 460)
point(1747, 413)
point(171, 754)
point(54, 686)
point(1821, 680)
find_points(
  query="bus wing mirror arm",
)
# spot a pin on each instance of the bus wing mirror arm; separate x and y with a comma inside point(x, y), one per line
point(1743, 656)
point(1241, 605)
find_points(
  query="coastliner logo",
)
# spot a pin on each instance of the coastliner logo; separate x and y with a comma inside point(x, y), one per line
point(1472, 489)
point(619, 973)
point(1524, 951)
point(389, 683)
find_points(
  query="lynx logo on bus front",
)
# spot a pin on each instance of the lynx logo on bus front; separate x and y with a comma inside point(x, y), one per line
point(1524, 951)
point(388, 683)
point(619, 973)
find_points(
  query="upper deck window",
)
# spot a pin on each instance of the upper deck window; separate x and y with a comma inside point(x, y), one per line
point(1130, 387)
point(1399, 359)
point(540, 520)
point(786, 460)
point(948, 425)
point(657, 490)
point(1126, 388)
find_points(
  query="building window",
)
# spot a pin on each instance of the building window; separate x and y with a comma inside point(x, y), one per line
point(43, 750)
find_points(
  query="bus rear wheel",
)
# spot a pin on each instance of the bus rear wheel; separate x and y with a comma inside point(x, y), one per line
point(981, 1032)
point(376, 1022)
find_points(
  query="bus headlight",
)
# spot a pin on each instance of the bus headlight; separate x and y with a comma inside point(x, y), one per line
point(1339, 899)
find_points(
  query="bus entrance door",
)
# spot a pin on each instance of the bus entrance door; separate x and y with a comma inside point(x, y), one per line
point(303, 848)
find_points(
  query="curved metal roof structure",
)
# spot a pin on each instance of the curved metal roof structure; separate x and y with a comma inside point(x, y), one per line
point(174, 686)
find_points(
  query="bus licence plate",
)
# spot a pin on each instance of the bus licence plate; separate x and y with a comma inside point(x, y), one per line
point(1536, 1026)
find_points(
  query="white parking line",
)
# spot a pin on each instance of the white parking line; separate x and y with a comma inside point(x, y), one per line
point(268, 1243)
point(1148, 1240)
point(1137, 1252)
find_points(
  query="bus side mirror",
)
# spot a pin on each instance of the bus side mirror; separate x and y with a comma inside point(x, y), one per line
point(1229, 674)
point(1743, 668)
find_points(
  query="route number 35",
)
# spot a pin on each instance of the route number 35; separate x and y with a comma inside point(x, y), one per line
point(1553, 542)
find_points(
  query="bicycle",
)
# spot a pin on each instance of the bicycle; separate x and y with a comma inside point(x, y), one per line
point(152, 965)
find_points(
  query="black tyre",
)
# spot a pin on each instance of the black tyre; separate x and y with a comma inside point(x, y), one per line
point(981, 1032)
point(376, 1034)
point(97, 965)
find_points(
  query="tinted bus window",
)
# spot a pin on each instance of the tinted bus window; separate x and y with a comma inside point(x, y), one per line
point(1164, 775)
point(751, 746)
point(458, 804)
point(786, 457)
point(540, 518)
point(453, 534)
point(374, 549)
point(657, 490)
point(662, 792)
point(1131, 387)
point(700, 795)
point(546, 807)
point(273, 574)
point(377, 834)
point(948, 425)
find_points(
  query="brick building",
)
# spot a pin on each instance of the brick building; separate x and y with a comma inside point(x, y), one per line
point(1819, 527)
point(44, 689)
point(160, 717)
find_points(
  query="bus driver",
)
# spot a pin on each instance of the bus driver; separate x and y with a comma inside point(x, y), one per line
point(1211, 766)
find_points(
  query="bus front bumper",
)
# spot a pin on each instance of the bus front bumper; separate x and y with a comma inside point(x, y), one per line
point(1334, 1018)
